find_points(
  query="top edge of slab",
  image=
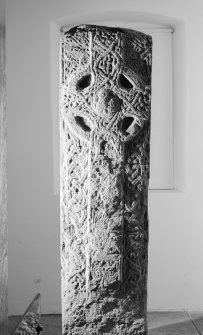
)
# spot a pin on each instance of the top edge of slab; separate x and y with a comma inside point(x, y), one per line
point(72, 28)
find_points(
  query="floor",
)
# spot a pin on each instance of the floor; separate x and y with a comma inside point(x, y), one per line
point(159, 323)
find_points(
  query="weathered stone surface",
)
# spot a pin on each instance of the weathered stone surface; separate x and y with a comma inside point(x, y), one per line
point(105, 133)
point(30, 322)
point(3, 190)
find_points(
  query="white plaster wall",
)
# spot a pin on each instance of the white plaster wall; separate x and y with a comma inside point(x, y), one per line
point(2, 12)
point(176, 217)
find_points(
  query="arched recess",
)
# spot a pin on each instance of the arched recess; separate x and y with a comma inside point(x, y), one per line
point(168, 128)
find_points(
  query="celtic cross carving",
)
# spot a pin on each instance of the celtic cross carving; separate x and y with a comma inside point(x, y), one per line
point(105, 140)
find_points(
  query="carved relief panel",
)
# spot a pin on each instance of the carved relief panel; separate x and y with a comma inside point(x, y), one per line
point(105, 134)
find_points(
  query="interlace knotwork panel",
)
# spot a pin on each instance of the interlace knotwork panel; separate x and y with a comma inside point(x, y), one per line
point(105, 110)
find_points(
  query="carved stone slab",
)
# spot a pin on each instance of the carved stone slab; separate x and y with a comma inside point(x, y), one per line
point(105, 133)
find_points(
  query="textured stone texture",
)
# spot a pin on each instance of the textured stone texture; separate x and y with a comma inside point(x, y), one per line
point(30, 322)
point(159, 323)
point(3, 189)
point(105, 133)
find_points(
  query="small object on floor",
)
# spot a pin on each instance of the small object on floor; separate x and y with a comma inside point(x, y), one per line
point(39, 329)
point(29, 324)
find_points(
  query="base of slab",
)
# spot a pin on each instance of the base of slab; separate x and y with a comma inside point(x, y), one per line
point(159, 323)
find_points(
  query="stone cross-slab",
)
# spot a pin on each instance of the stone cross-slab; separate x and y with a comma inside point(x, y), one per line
point(105, 111)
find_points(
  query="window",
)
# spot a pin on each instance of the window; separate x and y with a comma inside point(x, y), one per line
point(161, 155)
